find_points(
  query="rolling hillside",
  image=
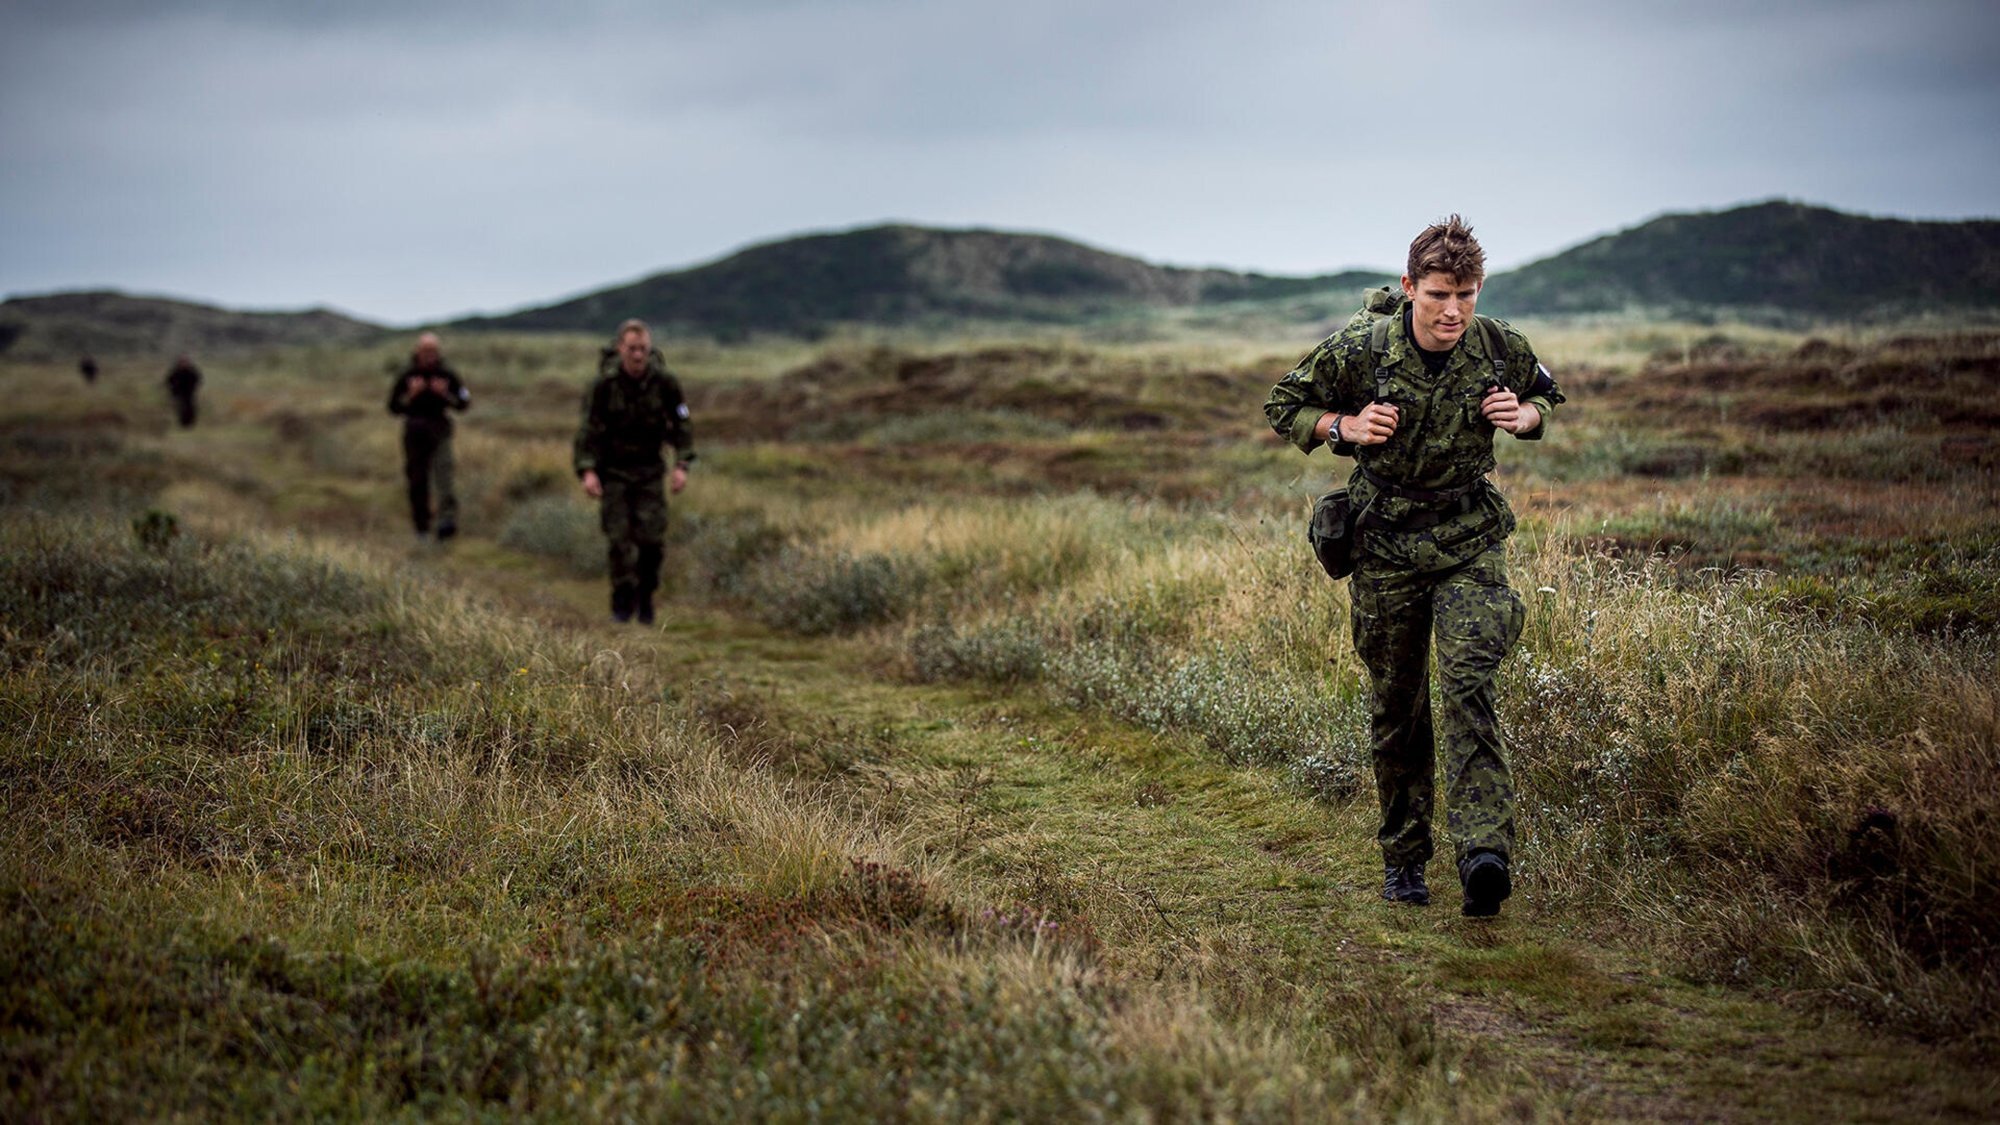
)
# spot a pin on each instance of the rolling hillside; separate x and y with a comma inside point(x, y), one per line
point(108, 323)
point(1782, 259)
point(1775, 256)
point(908, 276)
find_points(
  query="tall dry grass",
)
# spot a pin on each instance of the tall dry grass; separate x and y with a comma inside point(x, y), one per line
point(1765, 792)
point(290, 830)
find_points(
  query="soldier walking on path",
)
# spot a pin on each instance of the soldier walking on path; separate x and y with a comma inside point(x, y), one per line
point(1414, 388)
point(423, 393)
point(633, 408)
point(183, 379)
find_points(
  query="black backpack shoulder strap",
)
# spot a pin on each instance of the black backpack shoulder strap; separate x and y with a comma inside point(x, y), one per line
point(1496, 346)
point(1378, 350)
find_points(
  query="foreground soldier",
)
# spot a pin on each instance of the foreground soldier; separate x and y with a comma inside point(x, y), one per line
point(423, 393)
point(183, 379)
point(633, 408)
point(1413, 388)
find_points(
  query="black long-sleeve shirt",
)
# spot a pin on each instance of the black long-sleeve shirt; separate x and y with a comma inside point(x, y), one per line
point(183, 379)
point(424, 407)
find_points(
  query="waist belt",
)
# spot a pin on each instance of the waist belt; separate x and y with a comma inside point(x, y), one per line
point(1446, 503)
point(1422, 495)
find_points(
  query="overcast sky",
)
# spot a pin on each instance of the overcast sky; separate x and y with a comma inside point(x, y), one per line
point(409, 161)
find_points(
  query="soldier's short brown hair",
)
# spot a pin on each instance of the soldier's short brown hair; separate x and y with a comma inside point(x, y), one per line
point(634, 325)
point(1447, 247)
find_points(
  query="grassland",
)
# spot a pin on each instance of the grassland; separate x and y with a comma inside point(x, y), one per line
point(999, 755)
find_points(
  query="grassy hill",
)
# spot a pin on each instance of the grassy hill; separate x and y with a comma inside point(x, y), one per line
point(1781, 258)
point(1776, 256)
point(1777, 259)
point(109, 323)
point(909, 276)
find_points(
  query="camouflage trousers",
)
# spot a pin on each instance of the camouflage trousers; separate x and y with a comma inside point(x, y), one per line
point(1476, 618)
point(428, 471)
point(633, 513)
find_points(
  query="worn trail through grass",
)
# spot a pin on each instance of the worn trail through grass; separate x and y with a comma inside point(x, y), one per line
point(1184, 867)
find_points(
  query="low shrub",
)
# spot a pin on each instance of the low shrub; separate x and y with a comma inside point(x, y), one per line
point(1009, 651)
point(1227, 696)
point(560, 528)
point(529, 481)
point(725, 550)
point(814, 592)
point(79, 589)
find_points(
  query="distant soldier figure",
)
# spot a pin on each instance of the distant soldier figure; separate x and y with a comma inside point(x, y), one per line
point(633, 408)
point(87, 367)
point(423, 393)
point(1414, 388)
point(182, 381)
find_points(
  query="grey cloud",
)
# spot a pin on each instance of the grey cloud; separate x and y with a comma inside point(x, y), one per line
point(410, 162)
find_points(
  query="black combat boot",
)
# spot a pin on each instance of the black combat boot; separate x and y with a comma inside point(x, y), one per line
point(621, 604)
point(1405, 883)
point(1487, 883)
point(645, 607)
point(446, 529)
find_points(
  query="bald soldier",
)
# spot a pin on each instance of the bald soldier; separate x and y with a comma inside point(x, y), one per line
point(424, 393)
point(633, 408)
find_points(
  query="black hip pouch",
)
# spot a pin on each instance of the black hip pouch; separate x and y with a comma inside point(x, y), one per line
point(1331, 533)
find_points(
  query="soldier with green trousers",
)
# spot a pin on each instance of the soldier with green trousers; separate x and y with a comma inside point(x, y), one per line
point(1414, 388)
point(634, 407)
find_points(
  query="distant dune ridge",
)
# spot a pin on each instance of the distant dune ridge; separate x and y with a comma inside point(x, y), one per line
point(906, 276)
point(1773, 258)
point(109, 323)
point(1768, 257)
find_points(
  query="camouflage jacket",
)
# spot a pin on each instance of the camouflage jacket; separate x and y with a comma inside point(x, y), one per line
point(426, 408)
point(1442, 444)
point(626, 420)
